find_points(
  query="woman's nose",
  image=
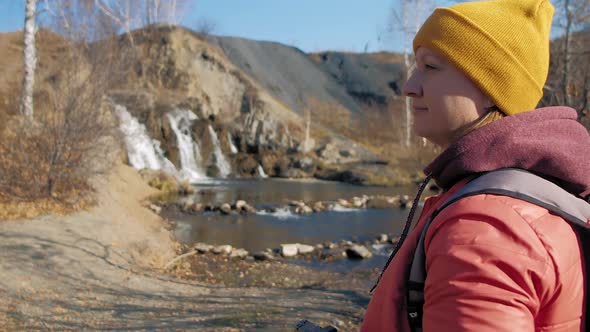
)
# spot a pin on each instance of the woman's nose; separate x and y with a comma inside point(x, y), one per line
point(412, 87)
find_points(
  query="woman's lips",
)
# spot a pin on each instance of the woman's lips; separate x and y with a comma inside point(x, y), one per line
point(418, 109)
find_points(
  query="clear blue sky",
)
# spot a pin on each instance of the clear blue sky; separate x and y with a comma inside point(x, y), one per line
point(311, 25)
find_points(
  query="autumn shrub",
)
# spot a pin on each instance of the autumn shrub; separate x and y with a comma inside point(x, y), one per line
point(51, 158)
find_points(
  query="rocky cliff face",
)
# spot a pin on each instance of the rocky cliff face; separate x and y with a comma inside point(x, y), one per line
point(250, 102)
point(253, 95)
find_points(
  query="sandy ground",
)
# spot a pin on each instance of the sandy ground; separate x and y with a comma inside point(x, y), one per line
point(99, 270)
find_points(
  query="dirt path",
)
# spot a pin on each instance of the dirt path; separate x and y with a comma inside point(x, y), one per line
point(97, 270)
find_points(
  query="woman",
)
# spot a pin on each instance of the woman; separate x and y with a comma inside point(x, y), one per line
point(493, 263)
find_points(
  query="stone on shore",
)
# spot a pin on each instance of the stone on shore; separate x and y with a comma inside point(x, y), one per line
point(225, 249)
point(305, 249)
point(263, 256)
point(289, 250)
point(203, 248)
point(238, 253)
point(358, 252)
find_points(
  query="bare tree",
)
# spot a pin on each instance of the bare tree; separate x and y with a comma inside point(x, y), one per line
point(403, 24)
point(568, 79)
point(72, 137)
point(30, 58)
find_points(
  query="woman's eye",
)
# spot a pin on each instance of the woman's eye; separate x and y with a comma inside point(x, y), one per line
point(429, 66)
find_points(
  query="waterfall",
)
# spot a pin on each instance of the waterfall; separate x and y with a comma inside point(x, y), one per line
point(261, 172)
point(232, 147)
point(221, 161)
point(190, 153)
point(143, 152)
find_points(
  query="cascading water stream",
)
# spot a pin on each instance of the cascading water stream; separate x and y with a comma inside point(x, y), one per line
point(189, 151)
point(261, 172)
point(232, 147)
point(143, 152)
point(220, 160)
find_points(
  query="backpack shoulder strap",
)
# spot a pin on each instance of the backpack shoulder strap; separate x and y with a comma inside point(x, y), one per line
point(511, 182)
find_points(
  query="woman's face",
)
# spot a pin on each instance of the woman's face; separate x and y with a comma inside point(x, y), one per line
point(443, 99)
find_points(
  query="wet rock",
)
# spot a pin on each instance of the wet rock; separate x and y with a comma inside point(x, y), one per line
point(343, 202)
point(379, 203)
point(358, 202)
point(382, 238)
point(240, 204)
point(304, 249)
point(318, 207)
point(358, 252)
point(203, 248)
point(330, 206)
point(394, 239)
point(238, 253)
point(303, 210)
point(404, 201)
point(297, 203)
point(331, 245)
point(333, 253)
point(289, 250)
point(225, 208)
point(225, 249)
point(191, 207)
point(249, 209)
point(263, 256)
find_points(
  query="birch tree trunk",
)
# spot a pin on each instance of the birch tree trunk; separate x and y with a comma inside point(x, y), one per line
point(30, 59)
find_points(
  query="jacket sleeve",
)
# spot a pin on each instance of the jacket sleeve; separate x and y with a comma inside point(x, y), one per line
point(483, 274)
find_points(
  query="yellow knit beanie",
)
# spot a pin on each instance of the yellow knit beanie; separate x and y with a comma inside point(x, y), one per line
point(502, 45)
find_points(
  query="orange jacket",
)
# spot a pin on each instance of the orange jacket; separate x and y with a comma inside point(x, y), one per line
point(494, 263)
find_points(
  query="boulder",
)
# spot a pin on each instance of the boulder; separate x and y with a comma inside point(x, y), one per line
point(304, 249)
point(238, 253)
point(318, 207)
point(249, 209)
point(303, 210)
point(203, 247)
point(289, 250)
point(263, 256)
point(240, 204)
point(225, 208)
point(358, 252)
point(358, 202)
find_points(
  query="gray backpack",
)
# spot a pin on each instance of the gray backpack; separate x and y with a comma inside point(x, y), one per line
point(515, 183)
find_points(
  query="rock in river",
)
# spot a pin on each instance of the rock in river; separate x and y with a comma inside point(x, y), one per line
point(358, 252)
